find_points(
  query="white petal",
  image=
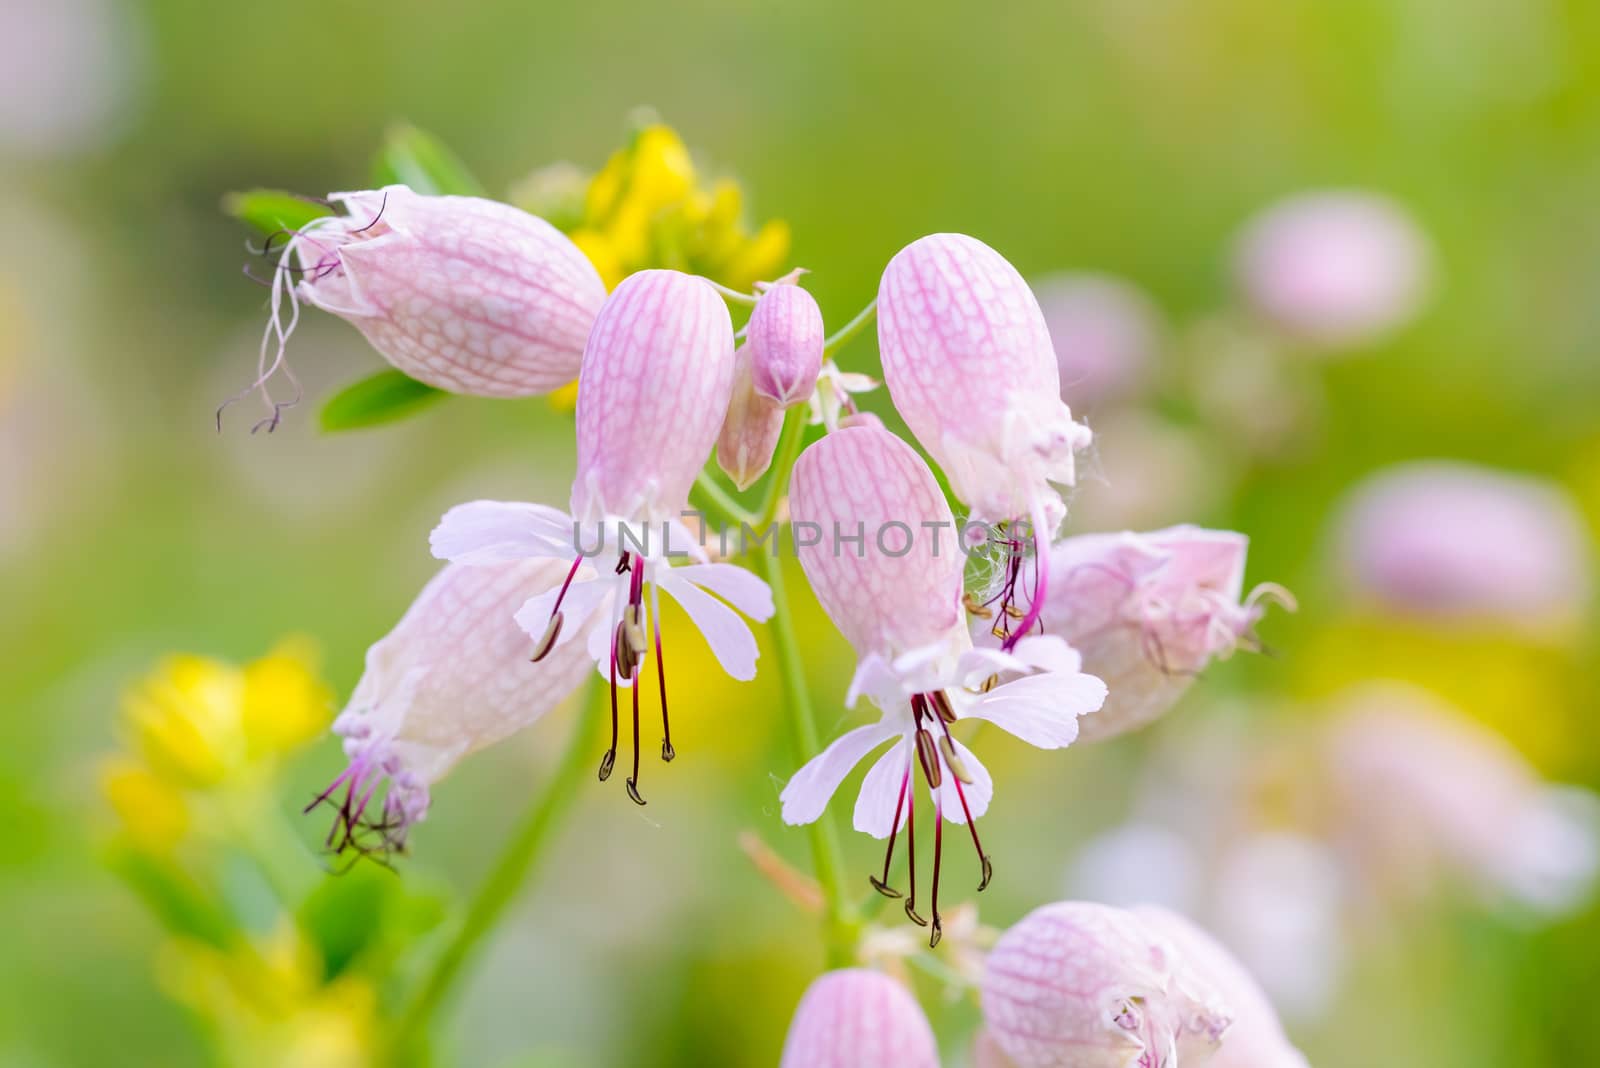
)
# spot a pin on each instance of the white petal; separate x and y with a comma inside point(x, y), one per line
point(808, 792)
point(1041, 710)
point(733, 584)
point(587, 592)
point(880, 793)
point(875, 678)
point(728, 635)
point(1046, 652)
point(977, 792)
point(491, 532)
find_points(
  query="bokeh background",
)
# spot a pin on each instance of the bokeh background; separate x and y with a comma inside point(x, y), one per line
point(1129, 139)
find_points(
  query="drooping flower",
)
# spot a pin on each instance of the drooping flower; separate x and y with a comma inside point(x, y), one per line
point(856, 1018)
point(1149, 611)
point(1474, 808)
point(1333, 268)
point(465, 294)
point(1255, 1038)
point(1453, 541)
point(653, 391)
point(451, 678)
point(1106, 334)
point(752, 428)
point(892, 584)
point(786, 337)
point(1081, 985)
point(968, 360)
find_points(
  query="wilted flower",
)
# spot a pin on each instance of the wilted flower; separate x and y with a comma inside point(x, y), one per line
point(898, 601)
point(1080, 985)
point(654, 389)
point(1333, 268)
point(752, 428)
point(786, 337)
point(1453, 540)
point(1149, 611)
point(451, 678)
point(1472, 805)
point(1106, 334)
point(969, 363)
point(465, 294)
point(1255, 1038)
point(855, 1018)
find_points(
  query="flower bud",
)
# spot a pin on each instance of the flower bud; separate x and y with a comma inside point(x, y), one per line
point(786, 344)
point(1333, 268)
point(855, 1018)
point(1090, 986)
point(751, 430)
point(465, 294)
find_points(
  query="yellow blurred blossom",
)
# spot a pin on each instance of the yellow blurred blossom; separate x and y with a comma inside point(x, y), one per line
point(151, 810)
point(268, 1005)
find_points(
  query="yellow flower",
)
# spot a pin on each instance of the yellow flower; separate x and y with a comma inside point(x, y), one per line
point(186, 719)
point(286, 704)
point(151, 810)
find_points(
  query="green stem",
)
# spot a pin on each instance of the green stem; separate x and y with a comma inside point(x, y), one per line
point(509, 876)
point(783, 457)
point(717, 503)
point(732, 294)
point(839, 925)
point(850, 329)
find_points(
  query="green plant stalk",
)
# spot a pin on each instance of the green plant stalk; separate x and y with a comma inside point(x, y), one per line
point(510, 874)
point(850, 329)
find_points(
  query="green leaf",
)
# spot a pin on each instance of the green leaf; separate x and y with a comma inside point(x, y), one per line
point(272, 210)
point(344, 915)
point(180, 903)
point(418, 159)
point(385, 397)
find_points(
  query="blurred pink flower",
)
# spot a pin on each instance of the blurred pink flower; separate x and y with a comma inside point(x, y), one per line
point(1148, 612)
point(654, 389)
point(69, 74)
point(969, 363)
point(1080, 985)
point(902, 612)
point(855, 1018)
point(451, 678)
point(1473, 807)
point(785, 341)
point(465, 294)
point(1335, 269)
point(1453, 540)
point(1255, 1038)
point(1106, 333)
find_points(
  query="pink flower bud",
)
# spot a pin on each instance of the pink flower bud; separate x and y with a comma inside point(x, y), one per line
point(785, 340)
point(1080, 985)
point(856, 1018)
point(751, 430)
point(1106, 333)
point(1474, 808)
point(466, 294)
point(1148, 612)
point(654, 390)
point(1454, 541)
point(877, 540)
point(969, 363)
point(1255, 1039)
point(1334, 268)
point(452, 677)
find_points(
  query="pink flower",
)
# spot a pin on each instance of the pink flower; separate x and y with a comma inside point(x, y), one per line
point(1451, 540)
point(896, 595)
point(969, 363)
point(785, 341)
point(752, 428)
point(1106, 333)
point(855, 1018)
point(464, 294)
point(1473, 806)
point(1255, 1038)
point(1080, 985)
point(451, 678)
point(653, 391)
point(1149, 611)
point(1334, 268)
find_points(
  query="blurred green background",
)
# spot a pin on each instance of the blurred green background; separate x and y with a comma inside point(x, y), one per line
point(1132, 137)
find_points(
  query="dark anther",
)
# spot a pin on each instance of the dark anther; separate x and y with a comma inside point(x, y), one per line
point(607, 762)
point(941, 704)
point(911, 914)
point(882, 887)
point(667, 752)
point(626, 658)
point(938, 931)
point(633, 792)
point(957, 767)
point(988, 872)
point(928, 755)
point(552, 631)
